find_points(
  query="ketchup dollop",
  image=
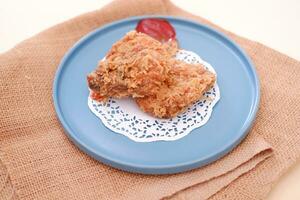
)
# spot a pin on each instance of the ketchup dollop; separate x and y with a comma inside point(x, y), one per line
point(159, 29)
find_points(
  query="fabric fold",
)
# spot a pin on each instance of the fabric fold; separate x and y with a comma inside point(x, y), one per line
point(209, 188)
point(42, 163)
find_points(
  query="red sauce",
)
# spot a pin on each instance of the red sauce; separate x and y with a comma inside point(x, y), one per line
point(96, 96)
point(159, 29)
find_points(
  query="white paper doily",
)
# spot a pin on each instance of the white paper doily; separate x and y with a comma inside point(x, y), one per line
point(125, 117)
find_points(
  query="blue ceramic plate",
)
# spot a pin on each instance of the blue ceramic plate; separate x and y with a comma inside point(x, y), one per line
point(230, 121)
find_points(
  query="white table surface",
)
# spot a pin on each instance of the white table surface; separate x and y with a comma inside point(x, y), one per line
point(275, 23)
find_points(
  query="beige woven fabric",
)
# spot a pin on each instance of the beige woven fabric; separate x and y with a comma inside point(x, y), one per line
point(39, 162)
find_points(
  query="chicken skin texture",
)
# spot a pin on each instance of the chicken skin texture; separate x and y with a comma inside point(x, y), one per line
point(136, 66)
point(186, 86)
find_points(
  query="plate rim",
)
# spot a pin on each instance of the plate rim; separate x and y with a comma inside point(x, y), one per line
point(165, 169)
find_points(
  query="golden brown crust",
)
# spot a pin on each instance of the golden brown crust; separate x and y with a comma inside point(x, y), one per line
point(187, 85)
point(137, 65)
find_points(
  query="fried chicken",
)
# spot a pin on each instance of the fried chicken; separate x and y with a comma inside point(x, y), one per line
point(143, 68)
point(136, 66)
point(186, 86)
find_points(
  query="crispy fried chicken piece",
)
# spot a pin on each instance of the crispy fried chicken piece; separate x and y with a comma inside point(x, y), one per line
point(186, 85)
point(136, 66)
point(145, 69)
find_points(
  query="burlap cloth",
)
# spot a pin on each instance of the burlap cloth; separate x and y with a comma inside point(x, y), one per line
point(39, 162)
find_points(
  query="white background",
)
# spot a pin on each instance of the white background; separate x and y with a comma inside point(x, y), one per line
point(275, 23)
